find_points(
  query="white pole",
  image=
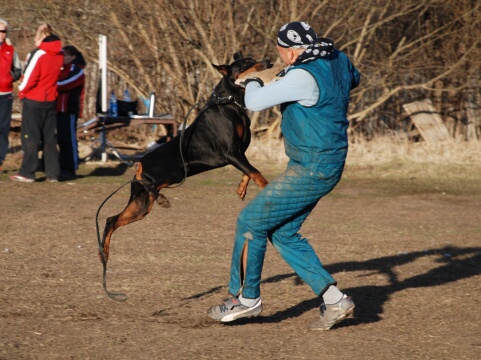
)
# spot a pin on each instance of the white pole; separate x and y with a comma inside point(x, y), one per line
point(103, 86)
point(103, 69)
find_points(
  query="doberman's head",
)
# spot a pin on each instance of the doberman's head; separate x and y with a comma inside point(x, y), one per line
point(241, 66)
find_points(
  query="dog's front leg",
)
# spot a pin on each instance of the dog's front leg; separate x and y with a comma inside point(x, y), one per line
point(242, 188)
point(258, 178)
point(239, 161)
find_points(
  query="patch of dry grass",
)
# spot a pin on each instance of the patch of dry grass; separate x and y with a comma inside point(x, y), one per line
point(399, 160)
point(267, 150)
point(383, 150)
point(385, 156)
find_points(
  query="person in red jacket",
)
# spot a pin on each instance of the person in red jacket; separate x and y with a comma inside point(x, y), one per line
point(69, 108)
point(10, 71)
point(38, 91)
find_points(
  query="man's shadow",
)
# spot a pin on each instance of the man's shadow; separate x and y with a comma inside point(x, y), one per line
point(455, 264)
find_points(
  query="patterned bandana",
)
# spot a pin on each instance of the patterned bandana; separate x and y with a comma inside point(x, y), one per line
point(300, 35)
point(296, 34)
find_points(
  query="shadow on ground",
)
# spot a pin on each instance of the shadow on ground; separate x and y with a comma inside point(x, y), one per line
point(455, 264)
point(118, 170)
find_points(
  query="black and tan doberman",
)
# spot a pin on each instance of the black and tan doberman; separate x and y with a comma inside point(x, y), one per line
point(219, 136)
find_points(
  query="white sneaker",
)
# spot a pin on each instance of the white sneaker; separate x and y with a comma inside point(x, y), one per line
point(332, 314)
point(232, 309)
point(21, 178)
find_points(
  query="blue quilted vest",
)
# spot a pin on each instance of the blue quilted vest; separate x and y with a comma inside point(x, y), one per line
point(319, 133)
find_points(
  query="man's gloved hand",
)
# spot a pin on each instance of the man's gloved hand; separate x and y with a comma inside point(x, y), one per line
point(243, 83)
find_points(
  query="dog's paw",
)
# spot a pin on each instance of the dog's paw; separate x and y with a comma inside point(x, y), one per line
point(241, 192)
point(163, 201)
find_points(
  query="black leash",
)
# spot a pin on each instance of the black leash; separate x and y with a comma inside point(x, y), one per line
point(214, 101)
point(184, 124)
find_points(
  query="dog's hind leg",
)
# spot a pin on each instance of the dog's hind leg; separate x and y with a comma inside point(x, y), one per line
point(139, 206)
point(149, 187)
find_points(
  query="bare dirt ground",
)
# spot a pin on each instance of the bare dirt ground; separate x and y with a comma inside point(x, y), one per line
point(408, 250)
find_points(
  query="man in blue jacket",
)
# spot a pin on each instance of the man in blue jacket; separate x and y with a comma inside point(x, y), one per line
point(314, 97)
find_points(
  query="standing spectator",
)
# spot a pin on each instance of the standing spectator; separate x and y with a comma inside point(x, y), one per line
point(10, 71)
point(38, 91)
point(69, 109)
point(314, 97)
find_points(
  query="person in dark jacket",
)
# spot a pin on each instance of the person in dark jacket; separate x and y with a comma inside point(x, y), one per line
point(10, 71)
point(313, 92)
point(69, 108)
point(38, 91)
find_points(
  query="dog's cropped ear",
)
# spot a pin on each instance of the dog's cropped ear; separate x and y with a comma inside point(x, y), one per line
point(223, 69)
point(238, 55)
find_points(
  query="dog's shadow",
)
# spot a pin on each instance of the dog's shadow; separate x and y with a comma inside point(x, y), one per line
point(456, 264)
point(118, 170)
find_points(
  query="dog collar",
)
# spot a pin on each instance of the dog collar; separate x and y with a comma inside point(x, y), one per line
point(226, 100)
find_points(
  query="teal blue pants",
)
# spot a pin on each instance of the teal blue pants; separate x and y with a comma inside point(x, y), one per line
point(277, 214)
